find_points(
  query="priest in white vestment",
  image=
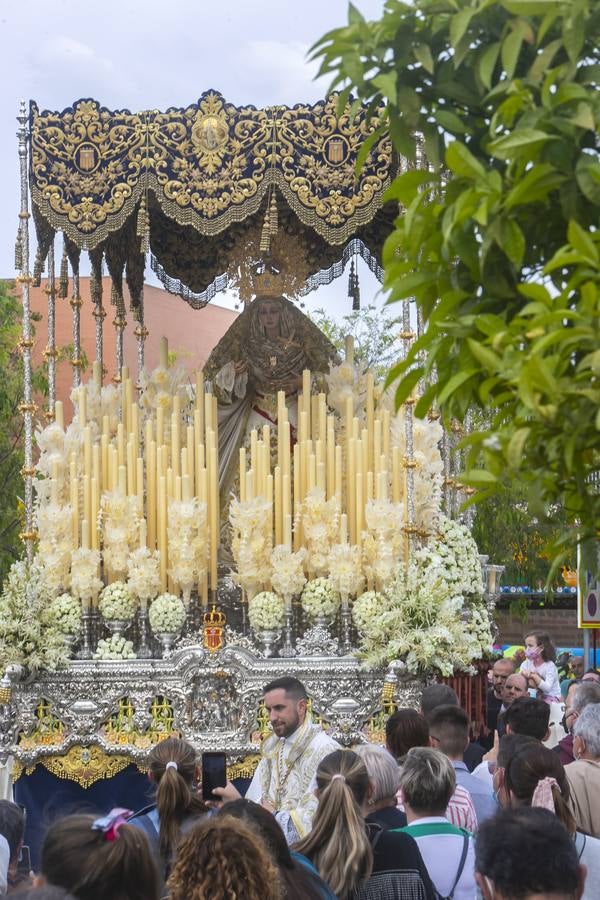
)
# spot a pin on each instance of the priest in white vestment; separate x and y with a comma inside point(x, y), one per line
point(285, 779)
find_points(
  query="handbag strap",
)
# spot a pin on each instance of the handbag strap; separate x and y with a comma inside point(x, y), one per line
point(461, 865)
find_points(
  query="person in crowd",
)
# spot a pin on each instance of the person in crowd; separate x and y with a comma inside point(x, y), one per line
point(284, 781)
point(413, 731)
point(427, 781)
point(591, 675)
point(300, 880)
point(12, 827)
point(384, 779)
point(404, 729)
point(584, 773)
point(540, 667)
point(95, 859)
point(173, 771)
point(449, 732)
point(526, 854)
point(579, 695)
point(358, 862)
point(224, 859)
point(443, 695)
point(500, 671)
point(526, 716)
point(574, 672)
point(514, 686)
point(530, 774)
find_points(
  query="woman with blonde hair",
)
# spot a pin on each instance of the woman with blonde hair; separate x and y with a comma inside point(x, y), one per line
point(172, 768)
point(358, 861)
point(223, 859)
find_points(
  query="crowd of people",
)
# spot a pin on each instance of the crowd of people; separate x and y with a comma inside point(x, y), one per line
point(434, 814)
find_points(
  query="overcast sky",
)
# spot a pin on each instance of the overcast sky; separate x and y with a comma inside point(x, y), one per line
point(139, 55)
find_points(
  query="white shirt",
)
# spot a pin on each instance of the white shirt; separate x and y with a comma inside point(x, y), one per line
point(441, 854)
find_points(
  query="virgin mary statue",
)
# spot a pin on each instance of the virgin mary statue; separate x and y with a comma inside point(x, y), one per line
point(264, 351)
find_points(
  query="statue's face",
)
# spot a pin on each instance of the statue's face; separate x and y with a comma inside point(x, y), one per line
point(269, 313)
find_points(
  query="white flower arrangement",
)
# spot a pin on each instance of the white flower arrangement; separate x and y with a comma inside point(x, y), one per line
point(143, 573)
point(266, 611)
point(320, 600)
point(345, 572)
point(343, 381)
point(455, 555)
point(287, 577)
point(119, 523)
point(53, 521)
point(319, 519)
point(116, 647)
point(29, 634)
point(368, 608)
point(65, 610)
point(116, 603)
point(251, 543)
point(188, 543)
point(85, 583)
point(421, 622)
point(167, 614)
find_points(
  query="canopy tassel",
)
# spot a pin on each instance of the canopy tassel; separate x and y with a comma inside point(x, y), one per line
point(273, 216)
point(265, 237)
point(143, 226)
point(354, 287)
point(63, 282)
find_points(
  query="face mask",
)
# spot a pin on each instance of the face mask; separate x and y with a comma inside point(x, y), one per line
point(532, 652)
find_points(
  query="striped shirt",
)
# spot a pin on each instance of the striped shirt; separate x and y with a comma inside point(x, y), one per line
point(460, 811)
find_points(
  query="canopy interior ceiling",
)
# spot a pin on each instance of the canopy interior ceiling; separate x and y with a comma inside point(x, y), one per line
point(201, 179)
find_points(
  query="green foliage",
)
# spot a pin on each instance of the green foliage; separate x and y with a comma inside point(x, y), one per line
point(374, 333)
point(497, 241)
point(11, 427)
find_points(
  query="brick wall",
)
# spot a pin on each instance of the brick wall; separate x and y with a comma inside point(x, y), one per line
point(560, 624)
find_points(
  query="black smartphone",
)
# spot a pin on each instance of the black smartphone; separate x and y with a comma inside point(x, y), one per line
point(214, 773)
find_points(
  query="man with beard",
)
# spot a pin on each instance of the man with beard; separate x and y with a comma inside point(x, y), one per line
point(514, 686)
point(501, 670)
point(285, 779)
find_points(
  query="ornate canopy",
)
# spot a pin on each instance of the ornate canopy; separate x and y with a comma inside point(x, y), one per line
point(195, 184)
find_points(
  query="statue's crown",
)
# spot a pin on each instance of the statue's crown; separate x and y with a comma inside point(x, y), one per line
point(215, 618)
point(270, 283)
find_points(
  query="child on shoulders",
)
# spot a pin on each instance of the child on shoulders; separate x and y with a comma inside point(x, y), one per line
point(539, 667)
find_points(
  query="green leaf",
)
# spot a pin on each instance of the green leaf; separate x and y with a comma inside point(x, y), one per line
point(542, 61)
point(535, 185)
point(386, 82)
point(423, 55)
point(581, 240)
point(487, 62)
point(587, 174)
point(366, 147)
point(511, 47)
point(408, 382)
point(459, 24)
point(485, 356)
point(508, 146)
point(479, 476)
point(451, 122)
point(573, 37)
point(402, 137)
point(404, 187)
point(511, 240)
point(514, 450)
point(454, 383)
point(462, 162)
point(584, 117)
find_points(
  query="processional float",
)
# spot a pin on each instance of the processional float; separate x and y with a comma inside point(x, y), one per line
point(269, 513)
